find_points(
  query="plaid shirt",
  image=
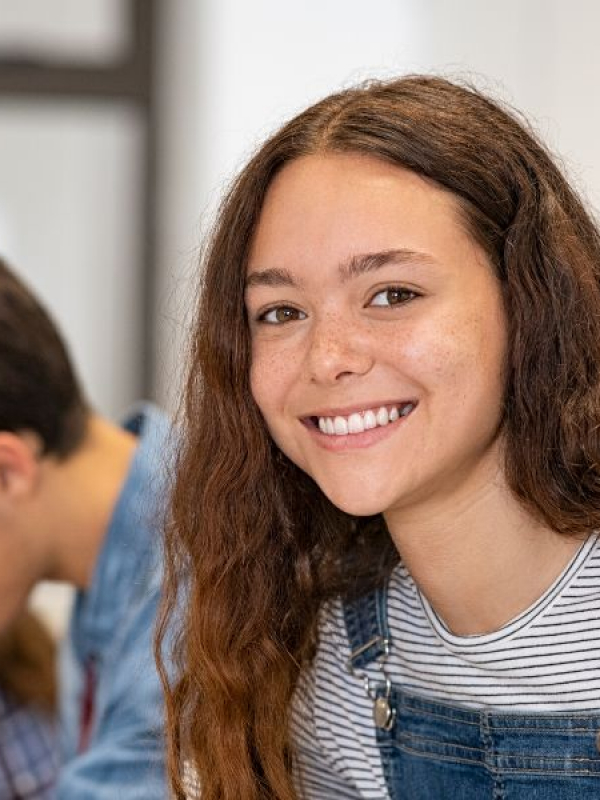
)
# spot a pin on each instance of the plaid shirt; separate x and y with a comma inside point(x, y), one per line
point(28, 752)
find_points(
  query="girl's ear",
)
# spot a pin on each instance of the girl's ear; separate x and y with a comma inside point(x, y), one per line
point(19, 465)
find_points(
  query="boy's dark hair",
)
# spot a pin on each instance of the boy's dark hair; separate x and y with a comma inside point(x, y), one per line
point(39, 390)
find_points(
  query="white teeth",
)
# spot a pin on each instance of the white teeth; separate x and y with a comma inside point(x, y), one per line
point(341, 426)
point(370, 420)
point(358, 423)
point(355, 423)
point(382, 416)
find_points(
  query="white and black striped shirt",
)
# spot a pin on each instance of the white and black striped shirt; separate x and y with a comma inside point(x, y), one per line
point(546, 659)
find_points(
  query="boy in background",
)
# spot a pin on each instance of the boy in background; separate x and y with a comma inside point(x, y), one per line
point(81, 500)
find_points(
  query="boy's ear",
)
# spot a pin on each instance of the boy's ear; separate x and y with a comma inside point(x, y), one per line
point(19, 465)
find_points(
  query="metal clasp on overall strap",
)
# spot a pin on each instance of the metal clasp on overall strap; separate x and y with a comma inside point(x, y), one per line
point(383, 714)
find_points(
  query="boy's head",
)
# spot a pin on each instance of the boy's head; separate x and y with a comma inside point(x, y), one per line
point(43, 422)
point(39, 390)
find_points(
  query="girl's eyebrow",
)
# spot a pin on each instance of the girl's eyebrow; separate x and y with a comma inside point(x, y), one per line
point(367, 262)
point(352, 268)
point(270, 277)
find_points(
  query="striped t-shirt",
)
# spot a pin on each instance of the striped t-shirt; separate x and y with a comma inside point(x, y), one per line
point(546, 659)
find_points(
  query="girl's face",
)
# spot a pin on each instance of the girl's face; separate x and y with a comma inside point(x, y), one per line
point(378, 335)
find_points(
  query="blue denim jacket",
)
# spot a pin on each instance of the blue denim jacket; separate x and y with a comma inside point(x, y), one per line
point(112, 702)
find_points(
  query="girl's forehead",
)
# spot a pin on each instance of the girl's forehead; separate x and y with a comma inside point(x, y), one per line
point(335, 208)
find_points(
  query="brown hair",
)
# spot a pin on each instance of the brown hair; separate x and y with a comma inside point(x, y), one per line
point(28, 663)
point(40, 390)
point(254, 543)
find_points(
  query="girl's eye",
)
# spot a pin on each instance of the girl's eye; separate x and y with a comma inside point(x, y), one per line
point(281, 314)
point(393, 296)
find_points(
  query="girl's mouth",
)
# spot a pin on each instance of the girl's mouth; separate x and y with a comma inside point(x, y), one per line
point(361, 421)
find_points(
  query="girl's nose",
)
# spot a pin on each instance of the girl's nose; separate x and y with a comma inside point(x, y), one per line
point(337, 351)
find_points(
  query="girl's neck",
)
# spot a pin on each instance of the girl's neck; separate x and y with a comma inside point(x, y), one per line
point(481, 558)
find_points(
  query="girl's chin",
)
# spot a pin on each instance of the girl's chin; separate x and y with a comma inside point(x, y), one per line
point(354, 505)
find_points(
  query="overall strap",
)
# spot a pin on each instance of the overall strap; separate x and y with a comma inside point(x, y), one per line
point(367, 627)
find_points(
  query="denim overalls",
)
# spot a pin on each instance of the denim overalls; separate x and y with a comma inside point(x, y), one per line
point(436, 751)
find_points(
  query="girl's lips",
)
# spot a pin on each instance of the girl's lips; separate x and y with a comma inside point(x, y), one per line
point(346, 411)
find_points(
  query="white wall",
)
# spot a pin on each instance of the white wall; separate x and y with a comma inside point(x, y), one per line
point(69, 209)
point(235, 70)
point(541, 56)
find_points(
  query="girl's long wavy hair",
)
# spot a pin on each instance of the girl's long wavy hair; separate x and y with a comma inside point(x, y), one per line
point(254, 547)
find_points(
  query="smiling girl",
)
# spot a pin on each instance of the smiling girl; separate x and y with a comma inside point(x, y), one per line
point(386, 501)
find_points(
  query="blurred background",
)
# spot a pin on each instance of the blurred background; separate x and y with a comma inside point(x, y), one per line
point(121, 122)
